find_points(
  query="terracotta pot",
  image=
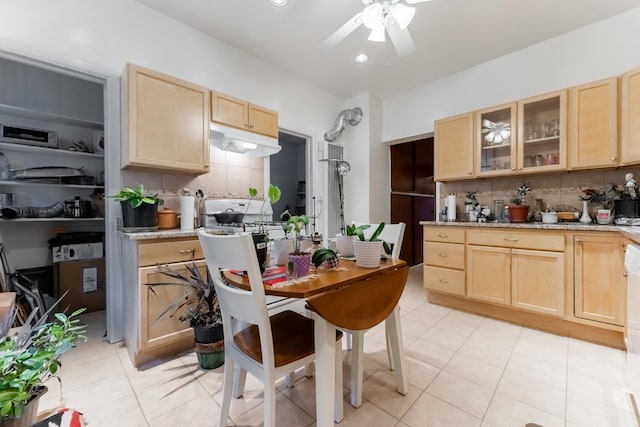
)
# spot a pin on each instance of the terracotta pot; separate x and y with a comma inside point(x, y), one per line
point(518, 213)
point(167, 219)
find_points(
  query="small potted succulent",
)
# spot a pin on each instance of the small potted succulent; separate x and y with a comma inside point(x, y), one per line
point(517, 208)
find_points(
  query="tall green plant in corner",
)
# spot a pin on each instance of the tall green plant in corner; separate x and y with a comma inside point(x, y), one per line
point(31, 356)
point(273, 195)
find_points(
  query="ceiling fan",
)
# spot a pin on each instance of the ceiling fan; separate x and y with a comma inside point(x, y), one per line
point(381, 16)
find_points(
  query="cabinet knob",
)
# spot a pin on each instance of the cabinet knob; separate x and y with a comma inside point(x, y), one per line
point(444, 236)
point(613, 158)
point(443, 281)
point(443, 255)
point(511, 239)
point(251, 126)
point(513, 169)
point(186, 251)
point(469, 173)
point(578, 240)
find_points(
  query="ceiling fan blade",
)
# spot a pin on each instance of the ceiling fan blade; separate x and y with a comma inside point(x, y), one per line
point(416, 1)
point(342, 32)
point(401, 39)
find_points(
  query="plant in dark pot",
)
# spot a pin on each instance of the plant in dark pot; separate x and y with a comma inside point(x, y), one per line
point(30, 357)
point(202, 310)
point(261, 237)
point(139, 209)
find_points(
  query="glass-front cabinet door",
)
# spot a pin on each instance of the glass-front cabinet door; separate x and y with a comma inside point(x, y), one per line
point(542, 133)
point(495, 140)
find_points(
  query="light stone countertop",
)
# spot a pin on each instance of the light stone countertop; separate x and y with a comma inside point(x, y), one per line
point(628, 231)
point(158, 234)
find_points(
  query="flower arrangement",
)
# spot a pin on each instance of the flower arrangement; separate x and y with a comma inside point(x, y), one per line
point(604, 196)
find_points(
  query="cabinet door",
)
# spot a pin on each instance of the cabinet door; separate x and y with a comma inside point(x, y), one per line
point(168, 123)
point(542, 133)
point(537, 281)
point(495, 138)
point(229, 111)
point(594, 125)
point(630, 118)
point(157, 329)
point(454, 148)
point(489, 274)
point(599, 284)
point(263, 121)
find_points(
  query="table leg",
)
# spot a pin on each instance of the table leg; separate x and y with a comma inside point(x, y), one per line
point(325, 344)
point(392, 325)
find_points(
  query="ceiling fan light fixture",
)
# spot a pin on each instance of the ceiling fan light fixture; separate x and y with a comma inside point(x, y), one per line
point(402, 14)
point(361, 58)
point(278, 3)
point(377, 34)
point(372, 15)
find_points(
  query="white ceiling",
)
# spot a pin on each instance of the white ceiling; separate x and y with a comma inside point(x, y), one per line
point(450, 36)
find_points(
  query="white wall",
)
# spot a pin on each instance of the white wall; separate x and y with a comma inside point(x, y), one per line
point(604, 49)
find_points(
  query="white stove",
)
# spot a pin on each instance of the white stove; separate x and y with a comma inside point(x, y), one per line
point(252, 209)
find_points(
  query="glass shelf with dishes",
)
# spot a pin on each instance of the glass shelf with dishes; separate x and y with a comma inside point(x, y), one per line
point(495, 137)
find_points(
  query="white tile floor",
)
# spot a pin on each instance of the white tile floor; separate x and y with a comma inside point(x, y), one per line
point(464, 370)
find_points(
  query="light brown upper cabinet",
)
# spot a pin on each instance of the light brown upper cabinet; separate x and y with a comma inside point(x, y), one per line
point(243, 115)
point(453, 148)
point(593, 125)
point(542, 133)
point(495, 136)
point(168, 123)
point(630, 117)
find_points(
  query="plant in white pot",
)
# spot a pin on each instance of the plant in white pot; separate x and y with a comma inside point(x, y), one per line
point(344, 243)
point(369, 251)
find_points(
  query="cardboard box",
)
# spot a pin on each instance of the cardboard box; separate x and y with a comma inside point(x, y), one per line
point(85, 281)
point(77, 252)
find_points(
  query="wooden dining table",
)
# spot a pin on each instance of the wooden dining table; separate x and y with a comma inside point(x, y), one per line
point(351, 298)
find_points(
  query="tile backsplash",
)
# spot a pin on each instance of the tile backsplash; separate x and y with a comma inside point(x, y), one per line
point(554, 189)
point(230, 175)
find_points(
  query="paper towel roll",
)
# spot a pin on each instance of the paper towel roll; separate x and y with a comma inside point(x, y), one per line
point(187, 212)
point(451, 207)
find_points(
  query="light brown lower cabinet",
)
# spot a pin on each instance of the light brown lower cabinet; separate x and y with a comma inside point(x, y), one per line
point(528, 279)
point(599, 282)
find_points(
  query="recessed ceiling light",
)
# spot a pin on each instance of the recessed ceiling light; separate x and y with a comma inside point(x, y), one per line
point(361, 58)
point(278, 2)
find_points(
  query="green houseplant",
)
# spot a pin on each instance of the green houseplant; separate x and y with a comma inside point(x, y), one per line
point(517, 208)
point(139, 209)
point(344, 244)
point(299, 261)
point(28, 359)
point(199, 306)
point(261, 237)
point(369, 251)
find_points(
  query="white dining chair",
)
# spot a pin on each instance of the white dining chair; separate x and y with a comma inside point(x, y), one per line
point(393, 234)
point(268, 347)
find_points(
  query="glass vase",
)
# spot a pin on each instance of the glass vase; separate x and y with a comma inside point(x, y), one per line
point(585, 218)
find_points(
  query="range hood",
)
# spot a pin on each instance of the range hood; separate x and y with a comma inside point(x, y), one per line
point(239, 141)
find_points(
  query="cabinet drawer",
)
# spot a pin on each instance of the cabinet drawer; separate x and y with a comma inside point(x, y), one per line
point(517, 239)
point(443, 234)
point(449, 255)
point(444, 280)
point(169, 251)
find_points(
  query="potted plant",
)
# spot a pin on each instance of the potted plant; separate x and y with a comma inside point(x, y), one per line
point(517, 208)
point(203, 311)
point(139, 209)
point(28, 359)
point(327, 257)
point(344, 244)
point(299, 260)
point(261, 238)
point(369, 251)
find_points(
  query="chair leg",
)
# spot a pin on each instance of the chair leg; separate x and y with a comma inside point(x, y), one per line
point(357, 367)
point(309, 369)
point(239, 380)
point(392, 324)
point(339, 400)
point(269, 404)
point(290, 379)
point(226, 391)
point(347, 340)
point(392, 365)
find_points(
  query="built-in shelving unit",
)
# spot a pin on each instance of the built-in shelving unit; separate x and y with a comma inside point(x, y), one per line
point(48, 117)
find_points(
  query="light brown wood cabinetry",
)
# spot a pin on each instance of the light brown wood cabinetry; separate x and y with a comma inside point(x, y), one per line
point(593, 125)
point(243, 115)
point(168, 123)
point(453, 150)
point(523, 269)
point(443, 258)
point(599, 283)
point(630, 117)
